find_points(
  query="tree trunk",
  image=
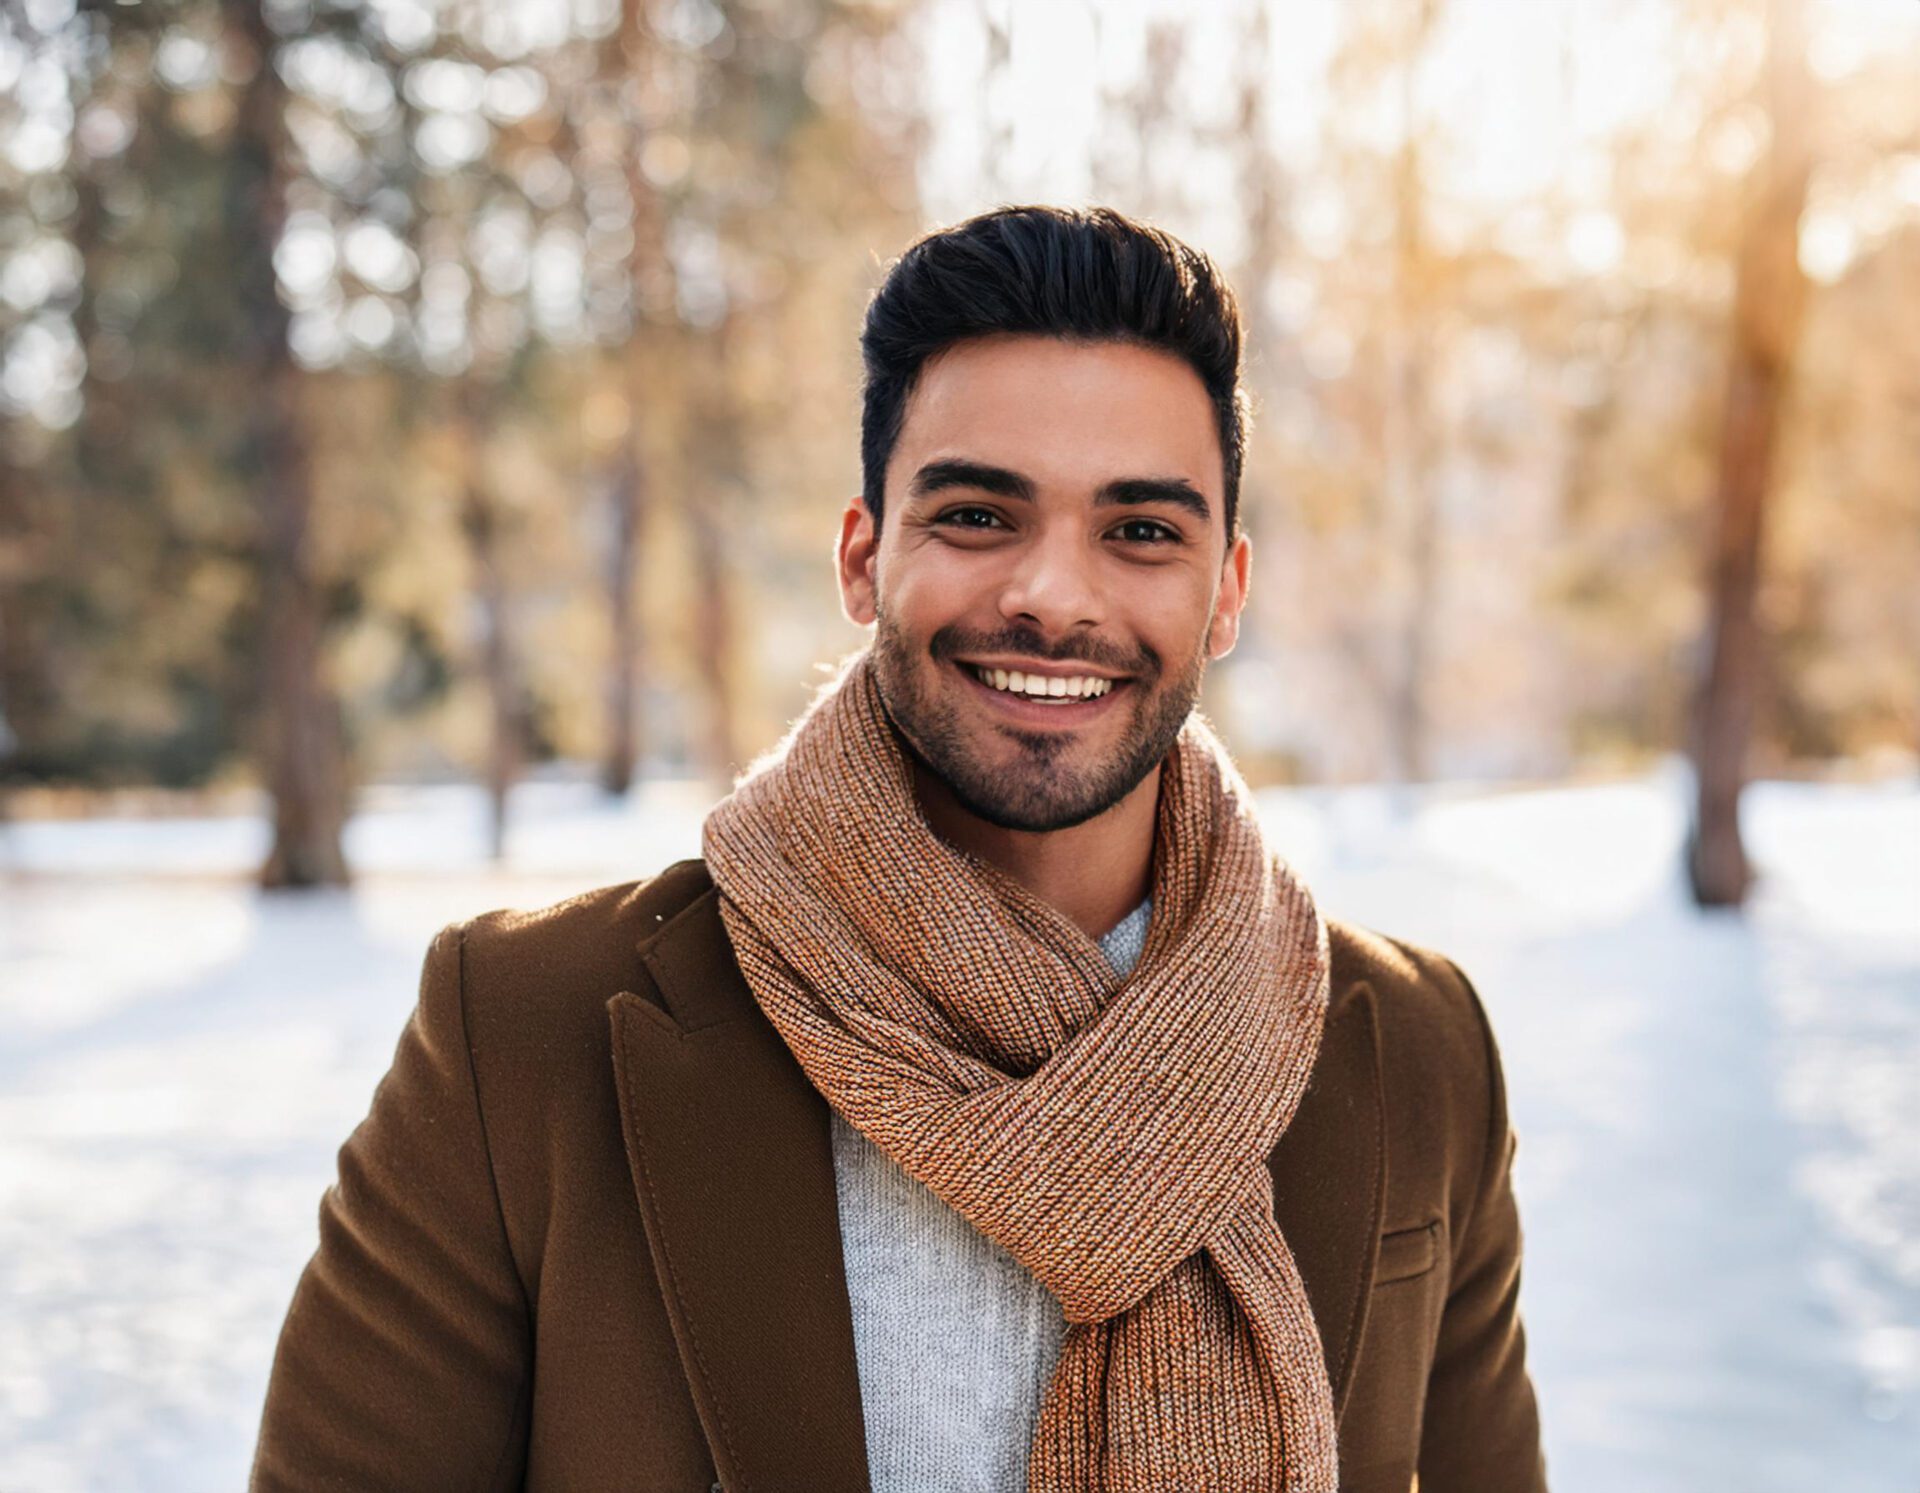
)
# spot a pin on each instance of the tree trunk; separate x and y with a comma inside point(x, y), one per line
point(1769, 306)
point(721, 442)
point(1410, 445)
point(714, 642)
point(627, 491)
point(21, 682)
point(301, 737)
point(481, 521)
point(624, 499)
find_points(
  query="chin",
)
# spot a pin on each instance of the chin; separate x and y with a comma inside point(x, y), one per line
point(1018, 792)
point(1041, 818)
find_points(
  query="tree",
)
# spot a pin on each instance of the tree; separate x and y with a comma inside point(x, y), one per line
point(1770, 295)
point(1412, 450)
point(628, 88)
point(301, 746)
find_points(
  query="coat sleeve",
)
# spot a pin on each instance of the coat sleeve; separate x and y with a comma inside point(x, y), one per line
point(405, 1359)
point(1481, 1429)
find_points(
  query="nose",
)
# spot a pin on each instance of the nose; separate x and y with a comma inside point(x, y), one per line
point(1054, 584)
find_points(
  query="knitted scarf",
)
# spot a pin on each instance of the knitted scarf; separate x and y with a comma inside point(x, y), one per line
point(1111, 1134)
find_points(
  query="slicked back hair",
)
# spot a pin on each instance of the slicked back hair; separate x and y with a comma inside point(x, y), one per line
point(1088, 274)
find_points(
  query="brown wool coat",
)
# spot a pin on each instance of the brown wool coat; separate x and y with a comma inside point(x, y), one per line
point(587, 1238)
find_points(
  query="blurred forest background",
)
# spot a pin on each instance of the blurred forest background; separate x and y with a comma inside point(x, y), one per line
point(395, 390)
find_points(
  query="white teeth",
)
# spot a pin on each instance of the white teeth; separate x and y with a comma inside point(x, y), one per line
point(1043, 686)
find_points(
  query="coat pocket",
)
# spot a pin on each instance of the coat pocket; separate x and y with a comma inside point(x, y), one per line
point(1406, 1254)
point(1380, 1429)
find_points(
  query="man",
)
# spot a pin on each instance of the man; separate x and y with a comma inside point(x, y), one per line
point(989, 1108)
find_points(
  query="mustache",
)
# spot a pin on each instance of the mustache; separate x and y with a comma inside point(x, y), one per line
point(952, 641)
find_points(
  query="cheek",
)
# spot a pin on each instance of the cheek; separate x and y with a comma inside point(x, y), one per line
point(1173, 615)
point(936, 586)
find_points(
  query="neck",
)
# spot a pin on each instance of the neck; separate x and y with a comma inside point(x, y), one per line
point(1095, 873)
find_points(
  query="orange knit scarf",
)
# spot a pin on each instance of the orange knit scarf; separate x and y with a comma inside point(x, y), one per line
point(1112, 1135)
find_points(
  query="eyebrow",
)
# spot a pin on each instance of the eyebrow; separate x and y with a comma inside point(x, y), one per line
point(937, 476)
point(1175, 490)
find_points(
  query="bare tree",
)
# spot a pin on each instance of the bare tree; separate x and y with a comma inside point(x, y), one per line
point(627, 63)
point(301, 747)
point(1411, 447)
point(484, 521)
point(718, 430)
point(1770, 296)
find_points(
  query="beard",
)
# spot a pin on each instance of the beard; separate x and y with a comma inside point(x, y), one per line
point(1040, 787)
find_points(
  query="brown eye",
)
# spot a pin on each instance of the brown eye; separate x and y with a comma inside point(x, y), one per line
point(961, 518)
point(1148, 531)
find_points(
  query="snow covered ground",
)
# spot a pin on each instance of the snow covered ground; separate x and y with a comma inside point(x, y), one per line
point(1719, 1118)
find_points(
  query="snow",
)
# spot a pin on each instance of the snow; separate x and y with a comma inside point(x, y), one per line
point(1718, 1170)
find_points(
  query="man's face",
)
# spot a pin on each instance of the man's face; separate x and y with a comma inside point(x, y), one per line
point(1054, 511)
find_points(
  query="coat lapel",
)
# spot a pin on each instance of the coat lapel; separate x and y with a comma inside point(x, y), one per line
point(731, 1157)
point(732, 1162)
point(1330, 1180)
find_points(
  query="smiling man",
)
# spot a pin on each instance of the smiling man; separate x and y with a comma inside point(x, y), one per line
point(991, 1106)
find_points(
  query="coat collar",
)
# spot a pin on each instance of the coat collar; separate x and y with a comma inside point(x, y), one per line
point(732, 1162)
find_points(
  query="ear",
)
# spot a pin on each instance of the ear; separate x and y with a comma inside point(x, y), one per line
point(1224, 630)
point(854, 557)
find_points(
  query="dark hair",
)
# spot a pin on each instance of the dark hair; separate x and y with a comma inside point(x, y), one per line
point(1083, 274)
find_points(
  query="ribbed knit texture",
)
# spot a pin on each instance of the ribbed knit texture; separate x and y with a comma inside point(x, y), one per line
point(955, 1340)
point(1112, 1135)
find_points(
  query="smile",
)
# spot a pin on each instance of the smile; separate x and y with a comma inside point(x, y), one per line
point(1043, 686)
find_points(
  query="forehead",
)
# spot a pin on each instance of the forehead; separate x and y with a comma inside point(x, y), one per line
point(1067, 415)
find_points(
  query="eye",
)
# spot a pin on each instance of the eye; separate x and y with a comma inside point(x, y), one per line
point(1148, 531)
point(967, 517)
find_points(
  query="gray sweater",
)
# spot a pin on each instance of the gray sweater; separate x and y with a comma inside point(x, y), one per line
point(954, 1338)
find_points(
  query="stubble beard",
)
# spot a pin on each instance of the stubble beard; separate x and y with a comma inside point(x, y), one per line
point(1038, 790)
